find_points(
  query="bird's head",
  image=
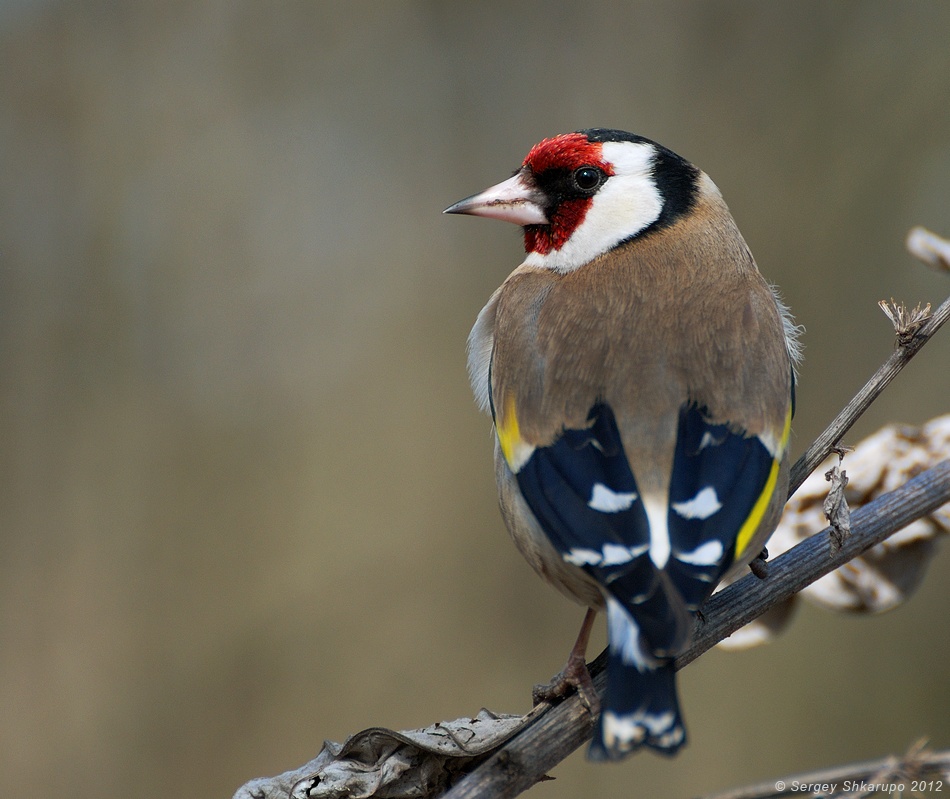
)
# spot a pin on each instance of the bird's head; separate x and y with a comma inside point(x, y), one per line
point(581, 194)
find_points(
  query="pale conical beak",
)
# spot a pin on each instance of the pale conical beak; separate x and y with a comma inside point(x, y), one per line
point(515, 200)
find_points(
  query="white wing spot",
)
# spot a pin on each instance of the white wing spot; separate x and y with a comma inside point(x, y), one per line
point(614, 555)
point(709, 440)
point(607, 501)
point(702, 506)
point(583, 557)
point(708, 554)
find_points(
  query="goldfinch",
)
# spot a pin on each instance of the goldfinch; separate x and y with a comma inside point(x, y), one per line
point(639, 372)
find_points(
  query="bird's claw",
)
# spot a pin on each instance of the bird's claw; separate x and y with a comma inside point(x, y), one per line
point(759, 565)
point(575, 676)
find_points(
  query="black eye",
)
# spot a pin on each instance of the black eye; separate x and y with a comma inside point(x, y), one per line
point(587, 178)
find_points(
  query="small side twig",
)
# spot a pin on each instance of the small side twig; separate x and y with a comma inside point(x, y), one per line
point(906, 321)
point(934, 251)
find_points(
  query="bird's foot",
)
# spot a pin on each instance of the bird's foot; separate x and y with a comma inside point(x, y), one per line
point(759, 565)
point(575, 676)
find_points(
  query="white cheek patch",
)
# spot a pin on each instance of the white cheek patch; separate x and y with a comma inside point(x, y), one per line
point(627, 203)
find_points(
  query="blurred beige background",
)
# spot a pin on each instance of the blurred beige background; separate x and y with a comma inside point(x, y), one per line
point(247, 501)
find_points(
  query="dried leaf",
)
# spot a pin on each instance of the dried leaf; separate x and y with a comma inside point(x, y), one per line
point(836, 508)
point(385, 764)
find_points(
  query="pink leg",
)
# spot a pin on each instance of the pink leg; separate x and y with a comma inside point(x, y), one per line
point(574, 674)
